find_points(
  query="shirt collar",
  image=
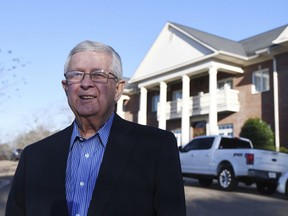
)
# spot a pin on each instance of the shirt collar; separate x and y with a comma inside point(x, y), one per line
point(103, 133)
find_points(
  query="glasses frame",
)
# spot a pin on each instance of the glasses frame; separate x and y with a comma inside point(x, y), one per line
point(102, 72)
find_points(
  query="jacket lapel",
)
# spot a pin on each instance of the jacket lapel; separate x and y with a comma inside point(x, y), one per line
point(60, 148)
point(117, 152)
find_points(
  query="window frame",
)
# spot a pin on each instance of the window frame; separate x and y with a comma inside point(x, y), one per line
point(226, 129)
point(260, 81)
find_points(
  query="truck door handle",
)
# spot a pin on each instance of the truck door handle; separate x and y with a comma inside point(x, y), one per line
point(208, 155)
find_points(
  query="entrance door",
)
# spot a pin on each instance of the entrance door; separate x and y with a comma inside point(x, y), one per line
point(199, 128)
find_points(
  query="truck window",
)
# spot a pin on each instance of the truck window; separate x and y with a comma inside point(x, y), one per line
point(242, 144)
point(199, 144)
point(233, 143)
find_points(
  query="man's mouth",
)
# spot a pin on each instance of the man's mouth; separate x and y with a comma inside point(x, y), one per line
point(87, 97)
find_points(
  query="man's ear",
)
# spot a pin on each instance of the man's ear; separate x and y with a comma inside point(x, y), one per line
point(119, 90)
point(65, 86)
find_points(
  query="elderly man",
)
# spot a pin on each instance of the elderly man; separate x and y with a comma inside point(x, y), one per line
point(101, 164)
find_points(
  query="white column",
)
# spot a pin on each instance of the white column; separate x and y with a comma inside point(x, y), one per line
point(142, 114)
point(162, 101)
point(276, 105)
point(185, 119)
point(213, 127)
point(120, 108)
point(120, 102)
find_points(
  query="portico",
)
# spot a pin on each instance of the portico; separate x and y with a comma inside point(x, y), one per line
point(202, 104)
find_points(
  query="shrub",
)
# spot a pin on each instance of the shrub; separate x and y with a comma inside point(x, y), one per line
point(283, 149)
point(259, 133)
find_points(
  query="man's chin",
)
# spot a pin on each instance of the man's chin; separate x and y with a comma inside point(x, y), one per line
point(87, 113)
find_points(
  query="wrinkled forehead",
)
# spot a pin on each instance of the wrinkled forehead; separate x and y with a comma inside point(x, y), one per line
point(89, 59)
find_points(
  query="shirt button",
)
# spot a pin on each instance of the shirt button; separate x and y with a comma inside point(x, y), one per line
point(87, 155)
point(81, 184)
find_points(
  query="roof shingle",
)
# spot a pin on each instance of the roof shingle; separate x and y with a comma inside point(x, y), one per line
point(246, 47)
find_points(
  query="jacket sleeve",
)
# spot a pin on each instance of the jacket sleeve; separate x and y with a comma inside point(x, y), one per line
point(169, 196)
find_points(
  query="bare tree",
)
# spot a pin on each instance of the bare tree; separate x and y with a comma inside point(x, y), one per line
point(38, 127)
point(32, 136)
point(10, 74)
point(5, 151)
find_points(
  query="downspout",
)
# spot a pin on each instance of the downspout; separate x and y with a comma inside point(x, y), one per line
point(276, 105)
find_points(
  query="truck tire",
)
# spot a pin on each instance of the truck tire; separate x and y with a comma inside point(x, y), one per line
point(266, 188)
point(226, 178)
point(205, 182)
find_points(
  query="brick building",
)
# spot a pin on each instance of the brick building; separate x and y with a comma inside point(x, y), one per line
point(192, 83)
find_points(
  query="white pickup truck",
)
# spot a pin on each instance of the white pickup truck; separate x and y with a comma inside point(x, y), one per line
point(230, 160)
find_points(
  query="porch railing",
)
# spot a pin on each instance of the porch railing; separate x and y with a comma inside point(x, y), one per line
point(227, 100)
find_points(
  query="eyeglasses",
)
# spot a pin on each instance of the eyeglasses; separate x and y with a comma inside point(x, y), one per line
point(98, 76)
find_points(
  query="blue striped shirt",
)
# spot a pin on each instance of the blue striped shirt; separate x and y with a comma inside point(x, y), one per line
point(83, 164)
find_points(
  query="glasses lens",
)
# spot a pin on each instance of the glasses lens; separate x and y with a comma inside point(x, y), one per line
point(98, 76)
point(74, 76)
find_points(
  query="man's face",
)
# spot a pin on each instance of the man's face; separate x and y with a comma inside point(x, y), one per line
point(87, 98)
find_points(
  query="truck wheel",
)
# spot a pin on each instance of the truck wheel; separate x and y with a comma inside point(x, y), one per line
point(266, 188)
point(205, 182)
point(226, 178)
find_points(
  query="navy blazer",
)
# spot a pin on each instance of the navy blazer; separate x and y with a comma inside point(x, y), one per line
point(140, 175)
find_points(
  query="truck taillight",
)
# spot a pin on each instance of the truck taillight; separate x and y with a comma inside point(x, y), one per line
point(249, 158)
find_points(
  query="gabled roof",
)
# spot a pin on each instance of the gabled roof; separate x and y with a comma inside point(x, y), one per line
point(261, 41)
point(246, 47)
point(218, 43)
point(178, 45)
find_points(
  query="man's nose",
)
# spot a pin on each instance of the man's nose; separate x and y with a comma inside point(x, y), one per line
point(86, 81)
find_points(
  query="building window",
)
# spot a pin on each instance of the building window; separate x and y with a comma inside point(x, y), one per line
point(260, 80)
point(176, 95)
point(226, 129)
point(226, 83)
point(155, 101)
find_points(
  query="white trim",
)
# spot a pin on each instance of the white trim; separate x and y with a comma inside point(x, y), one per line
point(193, 38)
point(283, 37)
point(193, 70)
